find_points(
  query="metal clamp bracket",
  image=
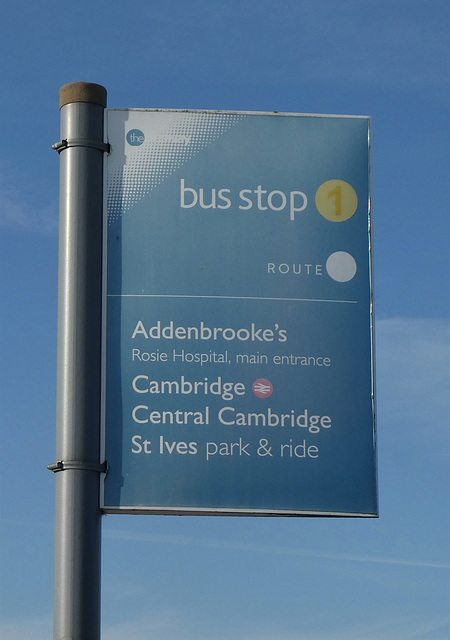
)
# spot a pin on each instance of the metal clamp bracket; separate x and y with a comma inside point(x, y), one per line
point(81, 142)
point(64, 465)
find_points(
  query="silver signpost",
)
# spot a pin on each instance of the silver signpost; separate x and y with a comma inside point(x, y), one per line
point(78, 468)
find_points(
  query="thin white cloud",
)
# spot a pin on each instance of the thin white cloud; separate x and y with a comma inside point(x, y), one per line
point(164, 625)
point(176, 625)
point(38, 628)
point(413, 378)
point(19, 211)
point(384, 628)
point(270, 549)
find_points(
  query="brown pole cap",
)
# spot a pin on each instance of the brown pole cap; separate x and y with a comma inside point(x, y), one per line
point(82, 92)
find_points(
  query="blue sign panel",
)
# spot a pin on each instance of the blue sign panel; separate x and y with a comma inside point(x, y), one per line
point(238, 375)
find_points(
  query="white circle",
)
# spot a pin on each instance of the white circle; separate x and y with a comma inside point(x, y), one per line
point(341, 266)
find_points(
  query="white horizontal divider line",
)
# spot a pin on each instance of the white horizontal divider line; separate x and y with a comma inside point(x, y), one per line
point(157, 295)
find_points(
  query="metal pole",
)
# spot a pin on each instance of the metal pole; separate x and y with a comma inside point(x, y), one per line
point(78, 517)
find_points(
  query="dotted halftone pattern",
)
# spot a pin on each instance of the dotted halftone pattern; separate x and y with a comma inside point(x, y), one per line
point(175, 139)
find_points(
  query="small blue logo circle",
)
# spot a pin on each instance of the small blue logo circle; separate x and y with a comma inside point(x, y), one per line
point(135, 137)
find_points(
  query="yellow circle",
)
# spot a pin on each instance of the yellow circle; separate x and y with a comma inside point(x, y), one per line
point(336, 200)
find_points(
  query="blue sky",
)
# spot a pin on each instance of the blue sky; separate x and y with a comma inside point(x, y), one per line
point(220, 578)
